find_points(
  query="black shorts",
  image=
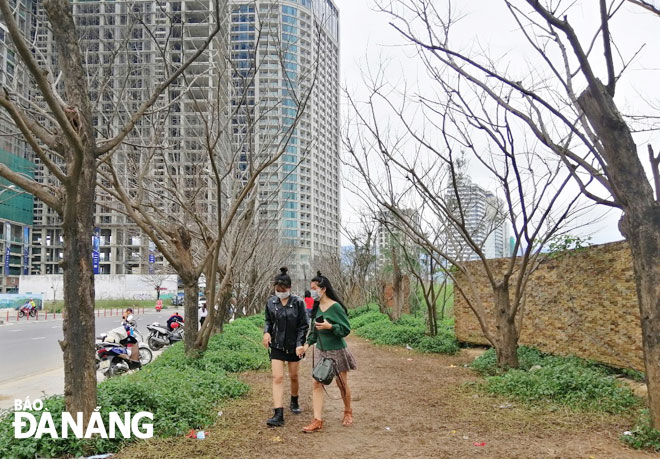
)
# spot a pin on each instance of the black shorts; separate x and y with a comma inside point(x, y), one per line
point(278, 354)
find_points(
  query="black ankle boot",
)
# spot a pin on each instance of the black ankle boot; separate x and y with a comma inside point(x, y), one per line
point(295, 408)
point(134, 364)
point(278, 419)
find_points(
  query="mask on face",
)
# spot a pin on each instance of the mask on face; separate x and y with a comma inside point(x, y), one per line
point(282, 295)
point(316, 295)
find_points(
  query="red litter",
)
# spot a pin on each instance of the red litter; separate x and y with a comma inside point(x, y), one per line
point(483, 443)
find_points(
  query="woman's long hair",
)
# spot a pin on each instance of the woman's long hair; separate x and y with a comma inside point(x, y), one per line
point(324, 282)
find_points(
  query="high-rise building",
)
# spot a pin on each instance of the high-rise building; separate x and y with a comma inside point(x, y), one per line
point(126, 45)
point(16, 206)
point(295, 44)
point(485, 222)
point(267, 58)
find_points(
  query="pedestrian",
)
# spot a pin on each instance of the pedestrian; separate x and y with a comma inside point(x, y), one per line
point(309, 304)
point(330, 326)
point(284, 334)
point(202, 315)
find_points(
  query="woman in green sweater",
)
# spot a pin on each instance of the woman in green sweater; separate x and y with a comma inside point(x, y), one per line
point(328, 335)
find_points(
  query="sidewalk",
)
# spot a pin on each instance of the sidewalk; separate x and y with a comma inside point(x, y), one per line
point(49, 382)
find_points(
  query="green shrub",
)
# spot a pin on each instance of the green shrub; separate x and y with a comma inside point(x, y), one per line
point(257, 320)
point(368, 318)
point(569, 381)
point(408, 330)
point(399, 335)
point(576, 386)
point(486, 364)
point(412, 321)
point(643, 436)
point(181, 393)
point(439, 344)
point(635, 375)
point(362, 310)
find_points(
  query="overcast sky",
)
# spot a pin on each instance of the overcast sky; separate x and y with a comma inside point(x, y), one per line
point(367, 39)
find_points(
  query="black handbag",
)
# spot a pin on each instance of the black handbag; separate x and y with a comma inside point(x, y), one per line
point(325, 370)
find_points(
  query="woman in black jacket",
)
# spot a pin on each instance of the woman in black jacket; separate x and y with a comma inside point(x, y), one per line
point(285, 333)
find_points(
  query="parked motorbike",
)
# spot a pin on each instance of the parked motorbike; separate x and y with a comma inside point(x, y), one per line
point(160, 336)
point(145, 354)
point(25, 310)
point(111, 359)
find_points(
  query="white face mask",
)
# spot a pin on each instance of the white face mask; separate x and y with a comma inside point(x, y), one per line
point(283, 295)
point(316, 294)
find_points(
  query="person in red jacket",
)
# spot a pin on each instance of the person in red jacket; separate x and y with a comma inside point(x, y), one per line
point(309, 304)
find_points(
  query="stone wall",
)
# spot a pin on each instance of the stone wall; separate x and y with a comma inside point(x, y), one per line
point(582, 303)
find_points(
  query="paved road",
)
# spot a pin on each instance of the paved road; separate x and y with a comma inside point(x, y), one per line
point(31, 347)
point(32, 363)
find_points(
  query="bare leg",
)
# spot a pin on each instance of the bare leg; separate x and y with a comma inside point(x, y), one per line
point(344, 389)
point(135, 353)
point(277, 367)
point(293, 374)
point(317, 400)
point(346, 397)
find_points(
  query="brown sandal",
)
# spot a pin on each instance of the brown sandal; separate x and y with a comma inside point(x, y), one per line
point(313, 426)
point(348, 418)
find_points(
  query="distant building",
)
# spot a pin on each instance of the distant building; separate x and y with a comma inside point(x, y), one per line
point(388, 234)
point(291, 41)
point(16, 206)
point(15, 225)
point(485, 222)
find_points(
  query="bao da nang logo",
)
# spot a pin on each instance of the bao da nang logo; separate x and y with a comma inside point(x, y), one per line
point(124, 425)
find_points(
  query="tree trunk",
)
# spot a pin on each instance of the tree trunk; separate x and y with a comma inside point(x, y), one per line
point(643, 236)
point(397, 287)
point(78, 312)
point(640, 224)
point(190, 303)
point(224, 302)
point(505, 329)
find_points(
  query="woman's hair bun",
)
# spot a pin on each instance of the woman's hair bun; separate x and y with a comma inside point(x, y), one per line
point(318, 273)
point(284, 269)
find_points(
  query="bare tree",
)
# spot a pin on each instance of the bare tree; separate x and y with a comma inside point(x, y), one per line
point(197, 216)
point(158, 278)
point(353, 272)
point(425, 270)
point(424, 168)
point(252, 283)
point(571, 110)
point(60, 130)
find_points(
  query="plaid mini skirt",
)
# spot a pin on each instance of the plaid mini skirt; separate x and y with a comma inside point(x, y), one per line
point(342, 357)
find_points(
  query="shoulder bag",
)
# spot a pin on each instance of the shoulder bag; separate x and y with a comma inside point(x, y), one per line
point(326, 369)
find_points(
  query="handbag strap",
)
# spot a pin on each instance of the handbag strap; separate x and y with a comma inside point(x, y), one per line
point(341, 381)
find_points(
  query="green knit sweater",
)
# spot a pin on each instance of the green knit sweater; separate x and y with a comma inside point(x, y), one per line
point(332, 339)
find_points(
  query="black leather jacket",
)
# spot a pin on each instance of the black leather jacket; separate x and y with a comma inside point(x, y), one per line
point(287, 325)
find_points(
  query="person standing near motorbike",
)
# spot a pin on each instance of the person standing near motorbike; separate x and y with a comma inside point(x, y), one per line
point(174, 318)
point(285, 333)
point(129, 323)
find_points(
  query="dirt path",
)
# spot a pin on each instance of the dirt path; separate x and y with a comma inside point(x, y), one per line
point(419, 408)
